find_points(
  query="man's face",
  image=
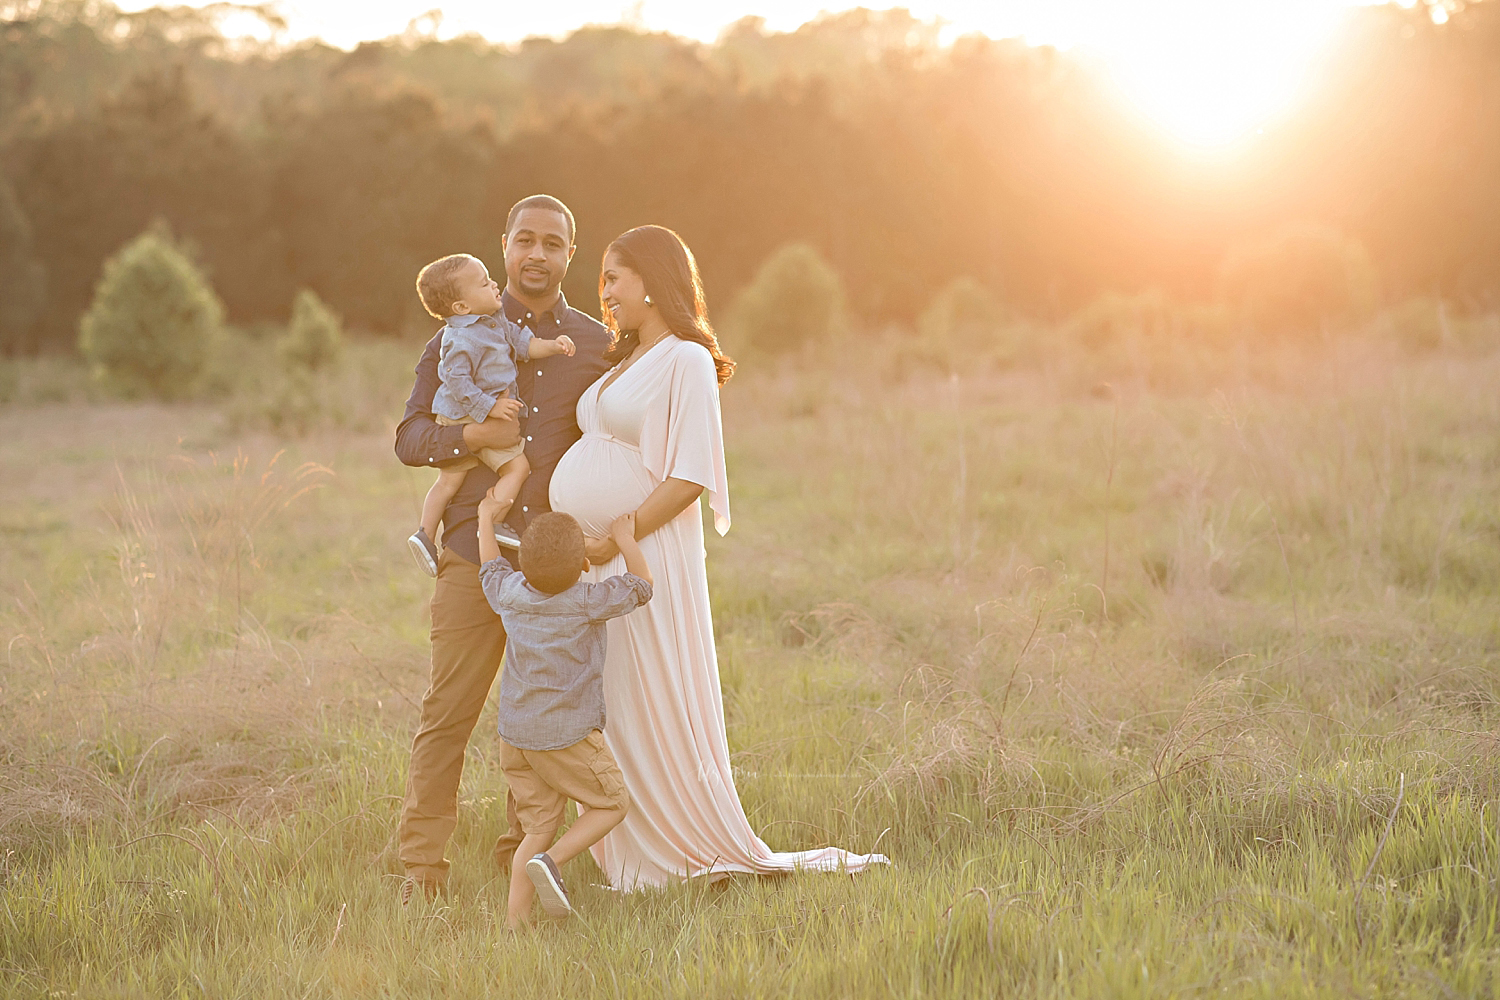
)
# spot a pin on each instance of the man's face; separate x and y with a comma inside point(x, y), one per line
point(537, 251)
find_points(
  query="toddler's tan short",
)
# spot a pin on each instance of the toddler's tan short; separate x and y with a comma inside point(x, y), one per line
point(543, 780)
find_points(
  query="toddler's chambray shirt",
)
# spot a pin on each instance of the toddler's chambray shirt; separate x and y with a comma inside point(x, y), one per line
point(552, 689)
point(477, 362)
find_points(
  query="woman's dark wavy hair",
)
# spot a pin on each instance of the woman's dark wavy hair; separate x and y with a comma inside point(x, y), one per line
point(670, 274)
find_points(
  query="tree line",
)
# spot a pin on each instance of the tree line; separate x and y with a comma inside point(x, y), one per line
point(904, 163)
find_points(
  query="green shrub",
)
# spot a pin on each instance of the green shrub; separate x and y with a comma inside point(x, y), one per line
point(23, 280)
point(153, 321)
point(964, 323)
point(796, 298)
point(315, 337)
point(1302, 277)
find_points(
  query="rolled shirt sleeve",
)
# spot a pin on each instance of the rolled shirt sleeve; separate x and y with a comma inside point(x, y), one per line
point(492, 577)
point(616, 596)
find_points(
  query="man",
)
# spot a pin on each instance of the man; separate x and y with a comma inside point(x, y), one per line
point(468, 640)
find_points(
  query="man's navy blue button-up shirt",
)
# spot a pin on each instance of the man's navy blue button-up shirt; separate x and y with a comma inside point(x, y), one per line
point(550, 387)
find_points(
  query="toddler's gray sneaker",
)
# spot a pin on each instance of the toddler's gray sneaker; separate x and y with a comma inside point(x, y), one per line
point(549, 886)
point(423, 551)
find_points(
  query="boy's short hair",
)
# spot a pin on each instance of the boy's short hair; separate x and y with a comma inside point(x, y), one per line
point(437, 283)
point(552, 552)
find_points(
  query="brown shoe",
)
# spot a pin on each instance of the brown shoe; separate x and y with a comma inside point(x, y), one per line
point(410, 886)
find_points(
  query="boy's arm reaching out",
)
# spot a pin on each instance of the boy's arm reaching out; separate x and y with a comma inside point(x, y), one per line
point(551, 348)
point(489, 549)
point(623, 532)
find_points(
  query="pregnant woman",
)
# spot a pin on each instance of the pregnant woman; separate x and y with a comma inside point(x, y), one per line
point(653, 442)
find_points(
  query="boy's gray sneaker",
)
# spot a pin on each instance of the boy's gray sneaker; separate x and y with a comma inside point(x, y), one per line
point(423, 551)
point(506, 537)
point(549, 886)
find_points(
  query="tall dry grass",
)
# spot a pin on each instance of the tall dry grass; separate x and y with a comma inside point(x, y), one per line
point(1178, 685)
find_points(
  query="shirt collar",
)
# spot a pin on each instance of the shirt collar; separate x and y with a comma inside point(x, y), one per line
point(460, 321)
point(518, 314)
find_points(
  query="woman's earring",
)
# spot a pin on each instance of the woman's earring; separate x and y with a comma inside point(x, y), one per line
point(648, 300)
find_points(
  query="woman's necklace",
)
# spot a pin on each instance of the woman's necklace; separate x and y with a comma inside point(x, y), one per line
point(641, 347)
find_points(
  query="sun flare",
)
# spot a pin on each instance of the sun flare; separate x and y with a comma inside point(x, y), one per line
point(1209, 72)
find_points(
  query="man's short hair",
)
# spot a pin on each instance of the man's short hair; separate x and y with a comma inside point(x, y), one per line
point(545, 201)
point(552, 552)
point(437, 283)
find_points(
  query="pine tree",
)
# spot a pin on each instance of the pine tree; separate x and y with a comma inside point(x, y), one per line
point(314, 337)
point(153, 320)
point(23, 279)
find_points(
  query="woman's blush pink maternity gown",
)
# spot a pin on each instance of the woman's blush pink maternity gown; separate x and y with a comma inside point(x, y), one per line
point(664, 712)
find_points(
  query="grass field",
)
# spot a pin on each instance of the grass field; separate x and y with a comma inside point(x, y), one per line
point(1182, 686)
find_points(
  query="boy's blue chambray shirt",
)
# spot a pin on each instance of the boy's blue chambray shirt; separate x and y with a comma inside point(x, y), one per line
point(552, 688)
point(477, 362)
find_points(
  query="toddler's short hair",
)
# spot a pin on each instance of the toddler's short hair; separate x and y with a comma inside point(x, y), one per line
point(552, 552)
point(438, 286)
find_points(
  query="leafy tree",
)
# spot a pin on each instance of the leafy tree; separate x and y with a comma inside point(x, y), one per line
point(151, 327)
point(1299, 278)
point(314, 337)
point(23, 279)
point(794, 299)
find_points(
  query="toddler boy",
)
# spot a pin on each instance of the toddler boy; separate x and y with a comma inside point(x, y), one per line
point(552, 693)
point(477, 365)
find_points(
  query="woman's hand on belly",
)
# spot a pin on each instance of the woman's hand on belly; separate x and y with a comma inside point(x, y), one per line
point(665, 503)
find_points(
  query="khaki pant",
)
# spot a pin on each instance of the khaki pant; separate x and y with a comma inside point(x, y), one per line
point(468, 642)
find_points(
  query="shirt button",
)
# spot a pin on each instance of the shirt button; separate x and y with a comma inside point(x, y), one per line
point(455, 451)
point(528, 315)
point(536, 409)
point(525, 510)
point(431, 459)
point(528, 437)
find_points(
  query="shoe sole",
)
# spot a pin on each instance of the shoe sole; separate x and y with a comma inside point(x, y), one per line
point(422, 556)
point(554, 899)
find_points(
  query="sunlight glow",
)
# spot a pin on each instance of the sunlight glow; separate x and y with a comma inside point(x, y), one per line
point(1208, 72)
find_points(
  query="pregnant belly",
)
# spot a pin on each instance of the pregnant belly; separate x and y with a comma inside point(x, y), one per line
point(598, 480)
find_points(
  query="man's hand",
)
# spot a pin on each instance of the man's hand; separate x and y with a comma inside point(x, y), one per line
point(492, 433)
point(600, 550)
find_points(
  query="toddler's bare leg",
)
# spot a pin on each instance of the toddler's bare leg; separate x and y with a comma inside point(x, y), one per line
point(587, 830)
point(441, 494)
point(522, 892)
point(512, 475)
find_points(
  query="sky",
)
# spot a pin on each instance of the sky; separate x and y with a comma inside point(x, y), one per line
point(1209, 72)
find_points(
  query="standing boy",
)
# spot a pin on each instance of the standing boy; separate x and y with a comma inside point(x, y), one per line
point(552, 693)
